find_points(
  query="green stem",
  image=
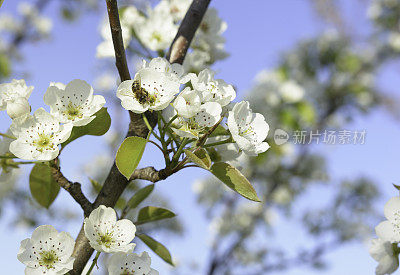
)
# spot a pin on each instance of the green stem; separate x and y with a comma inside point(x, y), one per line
point(8, 157)
point(229, 140)
point(170, 122)
point(149, 127)
point(7, 136)
point(180, 149)
point(94, 263)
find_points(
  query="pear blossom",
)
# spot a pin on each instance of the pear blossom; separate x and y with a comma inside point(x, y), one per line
point(208, 115)
point(212, 90)
point(153, 87)
point(248, 129)
point(157, 31)
point(389, 230)
point(175, 8)
point(38, 136)
point(187, 103)
point(383, 252)
point(130, 263)
point(106, 49)
point(209, 37)
point(47, 251)
point(74, 103)
point(106, 234)
point(196, 60)
point(14, 98)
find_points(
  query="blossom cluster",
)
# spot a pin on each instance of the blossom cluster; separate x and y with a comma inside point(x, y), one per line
point(50, 252)
point(384, 249)
point(202, 104)
point(38, 136)
point(155, 28)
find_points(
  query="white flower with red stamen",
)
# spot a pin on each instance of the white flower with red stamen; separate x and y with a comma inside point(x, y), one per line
point(130, 263)
point(187, 103)
point(106, 234)
point(153, 87)
point(212, 90)
point(38, 136)
point(248, 129)
point(208, 115)
point(73, 103)
point(47, 252)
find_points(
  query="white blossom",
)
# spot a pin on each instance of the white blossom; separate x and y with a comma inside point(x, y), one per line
point(208, 115)
point(106, 49)
point(382, 252)
point(130, 263)
point(196, 60)
point(248, 129)
point(157, 31)
point(212, 90)
point(175, 8)
point(153, 87)
point(38, 136)
point(14, 97)
point(47, 252)
point(75, 103)
point(187, 103)
point(106, 234)
point(389, 230)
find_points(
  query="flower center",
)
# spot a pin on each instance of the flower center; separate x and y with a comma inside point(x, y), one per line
point(43, 142)
point(48, 259)
point(106, 239)
point(247, 132)
point(127, 272)
point(73, 111)
point(156, 36)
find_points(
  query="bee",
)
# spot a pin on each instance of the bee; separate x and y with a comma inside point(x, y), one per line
point(141, 95)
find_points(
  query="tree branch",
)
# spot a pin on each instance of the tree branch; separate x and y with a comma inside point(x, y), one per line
point(74, 189)
point(115, 182)
point(186, 31)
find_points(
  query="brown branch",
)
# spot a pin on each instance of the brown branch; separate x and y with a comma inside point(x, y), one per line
point(74, 189)
point(186, 31)
point(116, 32)
point(116, 183)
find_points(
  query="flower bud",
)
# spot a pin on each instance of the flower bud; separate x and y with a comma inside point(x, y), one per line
point(18, 107)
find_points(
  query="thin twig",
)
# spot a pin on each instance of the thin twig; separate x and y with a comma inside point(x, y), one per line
point(74, 189)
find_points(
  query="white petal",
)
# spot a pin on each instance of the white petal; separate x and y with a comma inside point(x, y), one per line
point(388, 232)
point(392, 209)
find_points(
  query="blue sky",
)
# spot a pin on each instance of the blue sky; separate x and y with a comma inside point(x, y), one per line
point(258, 33)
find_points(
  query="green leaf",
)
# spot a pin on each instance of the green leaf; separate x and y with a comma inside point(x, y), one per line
point(96, 185)
point(140, 196)
point(200, 157)
point(234, 180)
point(129, 154)
point(97, 127)
point(5, 68)
point(44, 188)
point(157, 247)
point(152, 214)
point(219, 131)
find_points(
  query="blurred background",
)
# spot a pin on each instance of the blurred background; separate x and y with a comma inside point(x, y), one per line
point(307, 65)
